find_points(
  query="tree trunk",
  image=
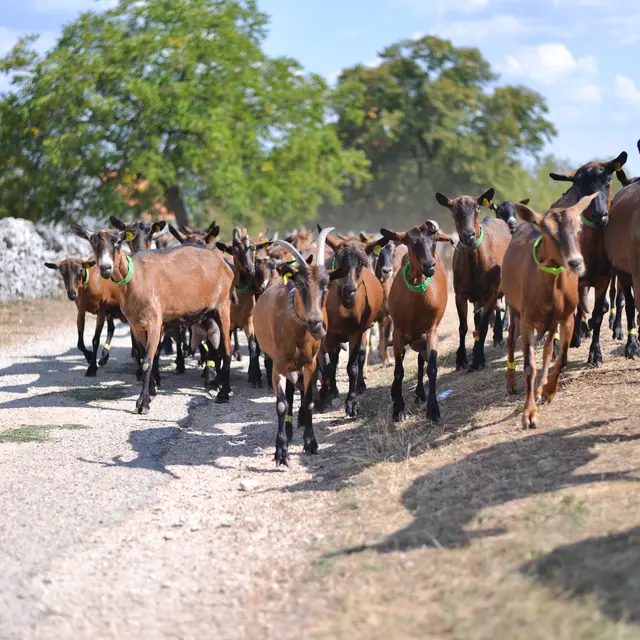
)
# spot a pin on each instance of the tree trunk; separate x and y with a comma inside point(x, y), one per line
point(175, 204)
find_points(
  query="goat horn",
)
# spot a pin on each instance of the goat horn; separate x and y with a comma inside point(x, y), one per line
point(293, 251)
point(236, 234)
point(322, 239)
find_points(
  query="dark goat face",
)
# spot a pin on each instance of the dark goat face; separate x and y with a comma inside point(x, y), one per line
point(562, 226)
point(466, 214)
point(421, 244)
point(594, 178)
point(243, 251)
point(106, 246)
point(138, 235)
point(506, 211)
point(350, 260)
point(73, 272)
point(384, 264)
point(265, 272)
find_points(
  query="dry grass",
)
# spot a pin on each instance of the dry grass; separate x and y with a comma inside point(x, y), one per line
point(476, 529)
point(35, 432)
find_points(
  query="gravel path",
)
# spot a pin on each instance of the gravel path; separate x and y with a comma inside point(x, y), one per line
point(120, 526)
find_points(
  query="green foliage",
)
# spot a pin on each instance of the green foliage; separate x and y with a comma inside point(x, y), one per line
point(429, 118)
point(179, 99)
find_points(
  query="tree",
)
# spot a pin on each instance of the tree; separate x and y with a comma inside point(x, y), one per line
point(429, 118)
point(171, 101)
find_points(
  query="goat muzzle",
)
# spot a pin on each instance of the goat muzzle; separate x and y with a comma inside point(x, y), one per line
point(316, 328)
point(576, 264)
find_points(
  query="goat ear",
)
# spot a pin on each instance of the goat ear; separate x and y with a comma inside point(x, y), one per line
point(89, 263)
point(52, 265)
point(376, 246)
point(443, 201)
point(443, 237)
point(284, 268)
point(527, 214)
point(310, 259)
point(364, 238)
point(264, 245)
point(116, 223)
point(622, 178)
point(393, 235)
point(617, 163)
point(80, 231)
point(583, 204)
point(224, 248)
point(211, 235)
point(337, 273)
point(177, 235)
point(525, 201)
point(485, 200)
point(158, 226)
point(568, 176)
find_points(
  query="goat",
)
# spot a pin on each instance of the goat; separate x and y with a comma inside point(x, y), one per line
point(476, 271)
point(506, 211)
point(291, 321)
point(139, 234)
point(353, 303)
point(91, 295)
point(204, 238)
point(417, 302)
point(243, 251)
point(591, 178)
point(384, 270)
point(620, 245)
point(540, 274)
point(180, 283)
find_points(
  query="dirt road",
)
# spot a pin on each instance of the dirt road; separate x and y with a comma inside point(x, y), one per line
point(115, 525)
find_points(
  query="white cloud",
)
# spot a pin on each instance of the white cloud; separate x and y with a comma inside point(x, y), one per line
point(549, 64)
point(445, 6)
point(627, 91)
point(625, 30)
point(589, 93)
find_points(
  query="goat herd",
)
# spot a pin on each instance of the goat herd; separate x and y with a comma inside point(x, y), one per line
point(300, 307)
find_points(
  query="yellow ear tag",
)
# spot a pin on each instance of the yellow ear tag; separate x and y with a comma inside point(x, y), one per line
point(618, 166)
point(485, 203)
point(129, 236)
point(285, 277)
point(377, 249)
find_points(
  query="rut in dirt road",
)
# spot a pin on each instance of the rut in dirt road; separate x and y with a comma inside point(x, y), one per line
point(115, 524)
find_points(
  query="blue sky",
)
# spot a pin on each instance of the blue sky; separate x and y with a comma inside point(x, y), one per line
point(580, 54)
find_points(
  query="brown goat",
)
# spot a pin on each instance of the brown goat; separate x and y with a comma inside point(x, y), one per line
point(290, 321)
point(353, 303)
point(540, 274)
point(139, 234)
point(417, 303)
point(621, 247)
point(243, 251)
point(182, 283)
point(591, 178)
point(92, 295)
point(476, 271)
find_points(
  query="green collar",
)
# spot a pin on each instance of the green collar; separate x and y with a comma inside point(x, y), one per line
point(245, 288)
point(415, 287)
point(476, 244)
point(554, 271)
point(333, 264)
point(85, 282)
point(127, 278)
point(588, 222)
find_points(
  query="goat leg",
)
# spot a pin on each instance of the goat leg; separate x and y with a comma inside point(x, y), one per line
point(547, 354)
point(153, 339)
point(530, 409)
point(236, 346)
point(92, 370)
point(512, 381)
point(479, 362)
point(309, 437)
point(352, 405)
point(632, 349)
point(106, 349)
point(498, 339)
point(615, 313)
point(180, 368)
point(280, 388)
point(421, 396)
point(461, 354)
point(600, 308)
point(398, 376)
point(167, 345)
point(566, 331)
point(225, 348)
point(290, 392)
point(362, 363)
point(80, 323)
point(433, 410)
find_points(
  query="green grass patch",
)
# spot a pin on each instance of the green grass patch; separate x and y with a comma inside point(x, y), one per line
point(97, 394)
point(35, 432)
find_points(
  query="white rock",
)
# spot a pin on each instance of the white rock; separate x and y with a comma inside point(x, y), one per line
point(249, 484)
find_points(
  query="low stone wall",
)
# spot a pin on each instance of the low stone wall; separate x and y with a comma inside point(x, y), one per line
point(24, 248)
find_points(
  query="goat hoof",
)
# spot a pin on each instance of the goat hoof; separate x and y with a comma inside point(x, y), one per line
point(478, 366)
point(399, 417)
point(222, 398)
point(91, 372)
point(576, 341)
point(528, 422)
point(362, 387)
point(512, 391)
point(238, 356)
point(352, 408)
point(282, 459)
point(433, 412)
point(595, 357)
point(421, 398)
point(618, 333)
point(311, 446)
